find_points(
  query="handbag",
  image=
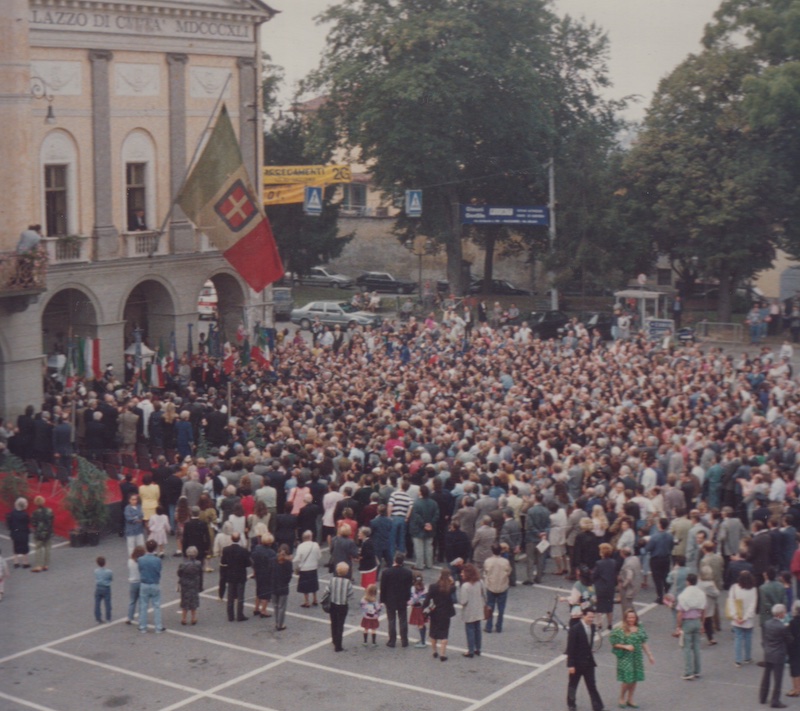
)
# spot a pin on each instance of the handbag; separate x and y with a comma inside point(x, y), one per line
point(325, 602)
point(487, 612)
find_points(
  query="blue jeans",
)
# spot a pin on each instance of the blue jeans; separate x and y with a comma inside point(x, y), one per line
point(102, 593)
point(473, 636)
point(742, 643)
point(500, 600)
point(150, 593)
point(398, 540)
point(171, 514)
point(134, 599)
point(691, 647)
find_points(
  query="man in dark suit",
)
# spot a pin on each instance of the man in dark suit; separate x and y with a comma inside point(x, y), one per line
point(235, 560)
point(136, 221)
point(760, 551)
point(395, 593)
point(775, 637)
point(195, 533)
point(580, 660)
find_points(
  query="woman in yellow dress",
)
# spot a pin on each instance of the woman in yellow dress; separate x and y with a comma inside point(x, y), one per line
point(149, 494)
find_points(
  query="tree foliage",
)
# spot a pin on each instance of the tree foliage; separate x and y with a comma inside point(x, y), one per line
point(303, 241)
point(701, 183)
point(462, 98)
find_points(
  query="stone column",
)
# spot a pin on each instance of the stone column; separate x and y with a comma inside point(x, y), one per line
point(105, 234)
point(181, 232)
point(248, 119)
point(16, 209)
point(112, 345)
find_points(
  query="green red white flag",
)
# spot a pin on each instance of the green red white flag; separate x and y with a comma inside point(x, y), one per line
point(219, 198)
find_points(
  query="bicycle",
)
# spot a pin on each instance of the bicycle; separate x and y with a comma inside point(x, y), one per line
point(546, 627)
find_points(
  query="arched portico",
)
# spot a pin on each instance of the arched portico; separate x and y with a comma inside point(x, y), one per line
point(150, 306)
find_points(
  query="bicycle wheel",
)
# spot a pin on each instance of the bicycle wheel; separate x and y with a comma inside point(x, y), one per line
point(597, 642)
point(544, 629)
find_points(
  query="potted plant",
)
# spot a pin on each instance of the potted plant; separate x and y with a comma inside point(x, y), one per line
point(86, 501)
point(14, 481)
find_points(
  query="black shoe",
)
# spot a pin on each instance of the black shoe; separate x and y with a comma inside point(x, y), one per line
point(390, 644)
point(779, 705)
point(527, 582)
point(404, 644)
point(243, 618)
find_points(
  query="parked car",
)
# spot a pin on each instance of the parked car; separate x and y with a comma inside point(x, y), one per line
point(384, 282)
point(282, 302)
point(333, 312)
point(546, 324)
point(322, 276)
point(497, 286)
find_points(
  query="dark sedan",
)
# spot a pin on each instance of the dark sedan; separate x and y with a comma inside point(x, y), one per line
point(546, 324)
point(497, 286)
point(385, 283)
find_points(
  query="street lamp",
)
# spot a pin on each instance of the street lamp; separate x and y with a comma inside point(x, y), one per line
point(40, 89)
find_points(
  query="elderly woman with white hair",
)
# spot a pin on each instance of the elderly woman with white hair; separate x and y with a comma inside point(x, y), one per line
point(19, 525)
point(190, 580)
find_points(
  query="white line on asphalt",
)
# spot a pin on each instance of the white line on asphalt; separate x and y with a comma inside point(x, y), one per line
point(31, 704)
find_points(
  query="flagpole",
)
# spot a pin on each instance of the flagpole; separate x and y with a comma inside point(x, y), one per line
point(189, 167)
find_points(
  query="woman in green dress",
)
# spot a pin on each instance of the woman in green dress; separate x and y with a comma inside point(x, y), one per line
point(629, 643)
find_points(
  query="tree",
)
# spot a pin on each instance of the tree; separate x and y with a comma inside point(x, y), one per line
point(769, 32)
point(458, 97)
point(303, 241)
point(700, 182)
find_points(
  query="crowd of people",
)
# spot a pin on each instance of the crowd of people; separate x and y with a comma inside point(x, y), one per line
point(497, 455)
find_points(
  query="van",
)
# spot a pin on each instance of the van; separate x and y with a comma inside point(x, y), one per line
point(282, 302)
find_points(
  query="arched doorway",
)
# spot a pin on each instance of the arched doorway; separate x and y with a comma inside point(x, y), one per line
point(230, 305)
point(69, 315)
point(149, 307)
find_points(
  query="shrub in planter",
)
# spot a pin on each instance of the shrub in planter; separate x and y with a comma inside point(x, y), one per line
point(86, 501)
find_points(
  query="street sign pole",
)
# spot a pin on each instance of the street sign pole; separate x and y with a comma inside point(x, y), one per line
point(551, 182)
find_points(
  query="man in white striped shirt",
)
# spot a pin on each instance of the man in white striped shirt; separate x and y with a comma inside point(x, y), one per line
point(399, 512)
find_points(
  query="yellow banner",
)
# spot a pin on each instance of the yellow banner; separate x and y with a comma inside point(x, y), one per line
point(306, 174)
point(284, 194)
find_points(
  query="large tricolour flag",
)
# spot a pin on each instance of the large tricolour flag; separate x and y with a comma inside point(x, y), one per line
point(219, 198)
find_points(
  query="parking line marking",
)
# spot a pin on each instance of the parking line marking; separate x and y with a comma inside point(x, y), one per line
point(31, 704)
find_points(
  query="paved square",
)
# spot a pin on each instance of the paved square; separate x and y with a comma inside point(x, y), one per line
point(53, 657)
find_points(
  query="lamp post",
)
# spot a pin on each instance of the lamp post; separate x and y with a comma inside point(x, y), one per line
point(40, 89)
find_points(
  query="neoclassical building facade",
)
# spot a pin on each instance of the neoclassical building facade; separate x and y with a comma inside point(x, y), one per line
point(103, 104)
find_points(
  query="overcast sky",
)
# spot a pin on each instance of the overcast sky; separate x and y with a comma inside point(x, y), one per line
point(648, 38)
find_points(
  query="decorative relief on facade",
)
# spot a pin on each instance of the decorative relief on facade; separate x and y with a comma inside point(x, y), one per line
point(61, 78)
point(137, 79)
point(207, 82)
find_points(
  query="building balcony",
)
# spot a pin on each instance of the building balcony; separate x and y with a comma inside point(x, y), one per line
point(22, 278)
point(144, 244)
point(68, 250)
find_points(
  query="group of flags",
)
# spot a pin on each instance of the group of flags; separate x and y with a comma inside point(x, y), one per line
point(83, 360)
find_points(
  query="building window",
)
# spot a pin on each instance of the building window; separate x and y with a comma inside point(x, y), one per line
point(138, 162)
point(55, 200)
point(355, 197)
point(136, 192)
point(664, 277)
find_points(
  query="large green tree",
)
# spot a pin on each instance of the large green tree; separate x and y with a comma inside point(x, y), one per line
point(700, 182)
point(303, 241)
point(463, 98)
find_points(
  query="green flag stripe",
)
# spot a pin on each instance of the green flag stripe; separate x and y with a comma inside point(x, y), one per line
point(220, 159)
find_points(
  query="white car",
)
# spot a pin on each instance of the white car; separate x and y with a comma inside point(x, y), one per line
point(331, 313)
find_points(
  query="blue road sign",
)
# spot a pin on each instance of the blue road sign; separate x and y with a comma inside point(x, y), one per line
point(502, 215)
point(312, 205)
point(414, 203)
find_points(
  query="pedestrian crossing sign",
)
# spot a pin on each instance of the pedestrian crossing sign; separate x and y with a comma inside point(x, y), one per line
point(312, 205)
point(413, 203)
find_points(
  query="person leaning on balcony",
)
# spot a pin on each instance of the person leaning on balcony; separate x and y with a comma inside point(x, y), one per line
point(30, 239)
point(136, 221)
